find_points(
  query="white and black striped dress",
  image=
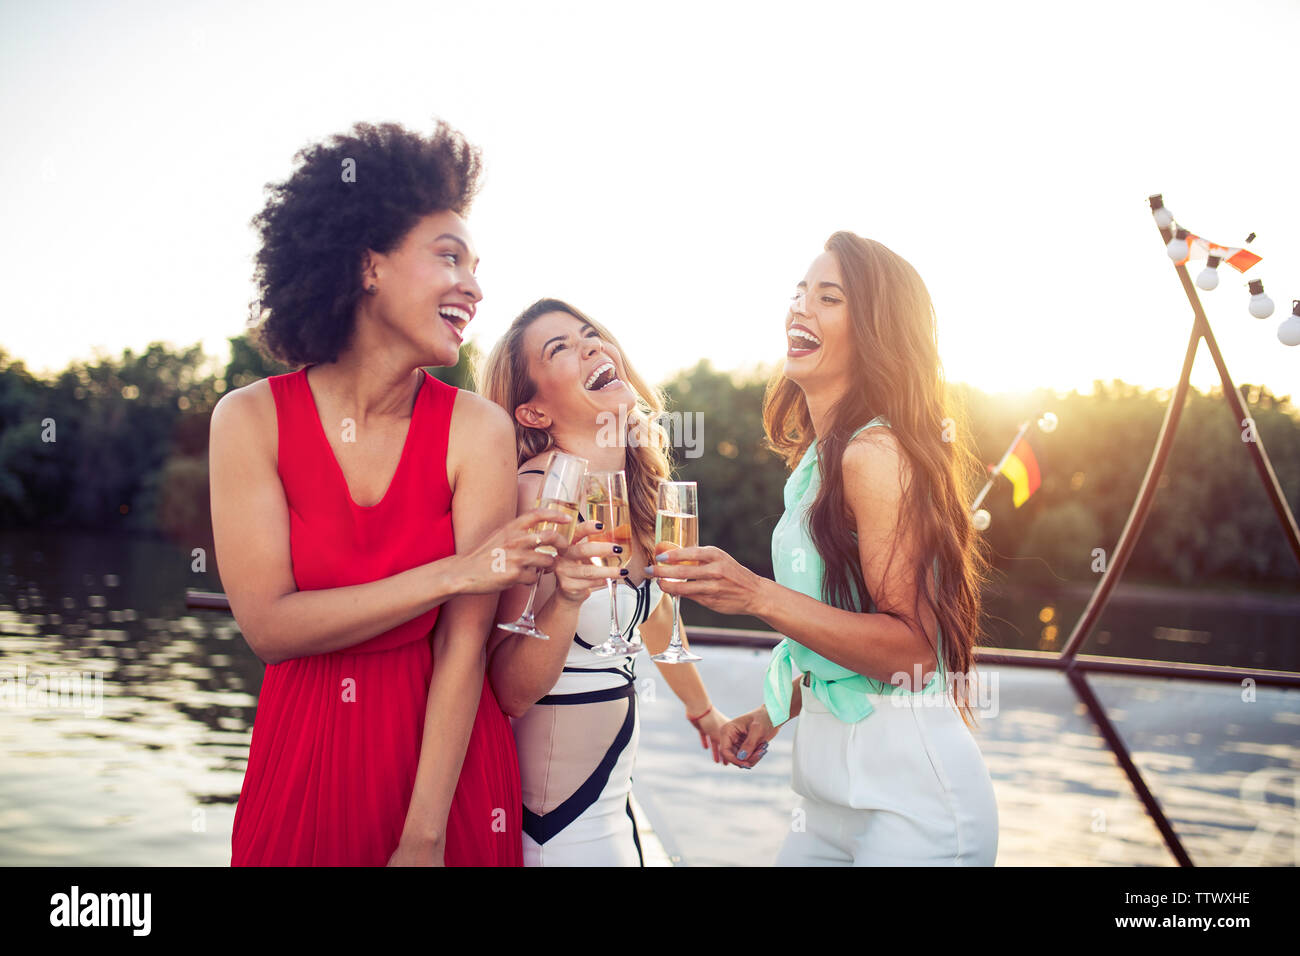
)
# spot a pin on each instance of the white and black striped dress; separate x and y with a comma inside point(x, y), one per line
point(577, 745)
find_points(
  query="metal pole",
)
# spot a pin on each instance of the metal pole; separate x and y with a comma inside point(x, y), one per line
point(1080, 684)
point(1258, 454)
point(979, 499)
point(1137, 517)
point(1141, 506)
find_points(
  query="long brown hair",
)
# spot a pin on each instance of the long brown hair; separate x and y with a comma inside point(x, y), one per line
point(503, 378)
point(898, 375)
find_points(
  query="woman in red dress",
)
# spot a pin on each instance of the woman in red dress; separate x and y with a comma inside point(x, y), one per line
point(362, 519)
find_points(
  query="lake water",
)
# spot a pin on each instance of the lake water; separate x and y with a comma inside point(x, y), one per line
point(146, 767)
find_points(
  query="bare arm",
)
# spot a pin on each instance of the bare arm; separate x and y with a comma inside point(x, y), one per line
point(523, 670)
point(880, 645)
point(250, 524)
point(482, 499)
point(684, 679)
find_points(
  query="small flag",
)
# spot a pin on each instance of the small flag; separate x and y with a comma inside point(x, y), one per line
point(1240, 259)
point(1021, 467)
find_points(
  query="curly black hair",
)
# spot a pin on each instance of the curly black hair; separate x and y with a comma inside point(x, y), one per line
point(358, 191)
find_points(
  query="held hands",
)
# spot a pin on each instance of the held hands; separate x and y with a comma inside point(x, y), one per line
point(509, 556)
point(715, 579)
point(576, 576)
point(743, 741)
point(710, 730)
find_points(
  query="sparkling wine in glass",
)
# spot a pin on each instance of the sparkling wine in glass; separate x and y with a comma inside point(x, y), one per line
point(677, 525)
point(561, 490)
point(606, 500)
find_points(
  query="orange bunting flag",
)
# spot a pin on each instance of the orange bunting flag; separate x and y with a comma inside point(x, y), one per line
point(1239, 259)
point(1021, 467)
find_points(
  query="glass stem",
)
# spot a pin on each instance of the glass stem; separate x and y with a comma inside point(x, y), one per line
point(527, 616)
point(676, 642)
point(614, 630)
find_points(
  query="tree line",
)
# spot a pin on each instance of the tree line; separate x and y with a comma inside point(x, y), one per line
point(119, 444)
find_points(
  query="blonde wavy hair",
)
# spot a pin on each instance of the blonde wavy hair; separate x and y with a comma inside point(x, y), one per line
point(503, 378)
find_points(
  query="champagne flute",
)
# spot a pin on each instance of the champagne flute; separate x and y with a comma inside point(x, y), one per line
point(677, 525)
point(560, 491)
point(606, 498)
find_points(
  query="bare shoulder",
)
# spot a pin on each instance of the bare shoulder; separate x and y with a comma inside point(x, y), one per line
point(250, 401)
point(875, 454)
point(481, 418)
point(481, 442)
point(536, 463)
point(876, 474)
point(248, 412)
point(530, 485)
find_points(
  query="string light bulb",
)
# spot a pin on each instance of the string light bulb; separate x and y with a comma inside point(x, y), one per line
point(1164, 218)
point(1209, 277)
point(1177, 247)
point(1288, 333)
point(1261, 306)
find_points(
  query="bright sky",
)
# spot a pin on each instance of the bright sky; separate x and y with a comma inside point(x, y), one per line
point(674, 171)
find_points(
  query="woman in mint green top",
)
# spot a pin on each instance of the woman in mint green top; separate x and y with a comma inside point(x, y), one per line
point(884, 761)
point(798, 566)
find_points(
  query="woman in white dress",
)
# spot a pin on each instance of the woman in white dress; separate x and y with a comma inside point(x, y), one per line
point(566, 383)
point(878, 572)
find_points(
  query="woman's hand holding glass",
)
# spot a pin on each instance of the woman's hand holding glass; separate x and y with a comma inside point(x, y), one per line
point(606, 500)
point(713, 578)
point(509, 556)
point(577, 575)
point(559, 491)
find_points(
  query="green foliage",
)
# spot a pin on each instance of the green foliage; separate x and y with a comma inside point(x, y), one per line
point(131, 446)
point(1061, 540)
point(248, 365)
point(740, 481)
point(84, 448)
point(461, 375)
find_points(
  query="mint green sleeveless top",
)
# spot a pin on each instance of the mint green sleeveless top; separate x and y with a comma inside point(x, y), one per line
point(798, 566)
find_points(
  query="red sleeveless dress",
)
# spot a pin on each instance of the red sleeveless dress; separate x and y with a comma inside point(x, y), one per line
point(336, 739)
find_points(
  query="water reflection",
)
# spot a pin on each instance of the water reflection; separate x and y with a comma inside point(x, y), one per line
point(1062, 798)
point(153, 779)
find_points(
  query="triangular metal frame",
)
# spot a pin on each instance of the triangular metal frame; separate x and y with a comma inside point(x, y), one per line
point(1133, 529)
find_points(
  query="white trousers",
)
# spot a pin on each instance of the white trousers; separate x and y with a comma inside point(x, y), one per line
point(904, 786)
